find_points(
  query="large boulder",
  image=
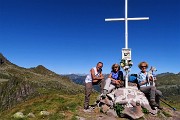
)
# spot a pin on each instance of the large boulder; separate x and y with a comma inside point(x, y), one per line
point(131, 99)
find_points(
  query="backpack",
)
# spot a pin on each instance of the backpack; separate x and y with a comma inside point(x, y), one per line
point(133, 78)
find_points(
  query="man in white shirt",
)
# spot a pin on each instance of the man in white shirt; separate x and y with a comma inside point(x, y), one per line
point(95, 77)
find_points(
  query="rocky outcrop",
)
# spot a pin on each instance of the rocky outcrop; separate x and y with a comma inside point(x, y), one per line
point(14, 91)
point(125, 102)
point(18, 84)
point(4, 61)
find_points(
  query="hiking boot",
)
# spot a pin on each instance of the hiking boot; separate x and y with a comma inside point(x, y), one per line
point(153, 103)
point(105, 91)
point(111, 96)
point(103, 96)
point(87, 110)
point(160, 107)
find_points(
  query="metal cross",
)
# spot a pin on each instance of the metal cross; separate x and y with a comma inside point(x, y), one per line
point(126, 28)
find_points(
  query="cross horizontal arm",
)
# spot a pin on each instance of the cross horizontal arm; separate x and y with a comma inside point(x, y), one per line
point(140, 18)
point(119, 19)
point(114, 19)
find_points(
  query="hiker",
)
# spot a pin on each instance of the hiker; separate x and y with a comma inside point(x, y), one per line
point(146, 88)
point(114, 80)
point(95, 77)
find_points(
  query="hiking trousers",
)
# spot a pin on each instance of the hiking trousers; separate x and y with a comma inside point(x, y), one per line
point(149, 89)
point(158, 96)
point(153, 93)
point(108, 86)
point(88, 90)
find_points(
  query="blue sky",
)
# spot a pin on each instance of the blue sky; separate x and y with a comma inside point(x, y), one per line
point(71, 36)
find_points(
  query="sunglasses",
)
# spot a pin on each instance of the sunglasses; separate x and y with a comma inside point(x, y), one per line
point(99, 67)
point(143, 66)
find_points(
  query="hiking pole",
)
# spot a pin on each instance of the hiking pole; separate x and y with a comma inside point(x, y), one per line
point(168, 105)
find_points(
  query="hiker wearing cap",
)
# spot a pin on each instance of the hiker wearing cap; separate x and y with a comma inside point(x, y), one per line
point(95, 77)
point(114, 80)
point(145, 86)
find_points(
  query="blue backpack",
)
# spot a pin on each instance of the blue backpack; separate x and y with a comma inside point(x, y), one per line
point(133, 78)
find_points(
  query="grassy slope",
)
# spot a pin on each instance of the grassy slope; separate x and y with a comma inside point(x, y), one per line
point(53, 92)
point(58, 102)
point(170, 86)
point(60, 106)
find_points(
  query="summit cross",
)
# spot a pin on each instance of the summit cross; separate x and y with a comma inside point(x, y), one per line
point(126, 22)
point(126, 19)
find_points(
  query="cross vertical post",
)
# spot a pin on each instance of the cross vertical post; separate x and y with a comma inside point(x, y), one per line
point(125, 56)
point(126, 25)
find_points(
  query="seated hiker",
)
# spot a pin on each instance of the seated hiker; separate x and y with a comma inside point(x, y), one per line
point(114, 80)
point(95, 77)
point(146, 88)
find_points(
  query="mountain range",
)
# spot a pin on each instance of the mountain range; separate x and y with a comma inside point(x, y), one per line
point(168, 83)
point(18, 84)
point(38, 88)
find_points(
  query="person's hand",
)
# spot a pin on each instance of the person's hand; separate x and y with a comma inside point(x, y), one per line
point(117, 82)
point(151, 78)
point(95, 81)
point(143, 82)
point(113, 81)
point(102, 77)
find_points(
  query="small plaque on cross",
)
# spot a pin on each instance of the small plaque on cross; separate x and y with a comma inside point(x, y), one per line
point(126, 54)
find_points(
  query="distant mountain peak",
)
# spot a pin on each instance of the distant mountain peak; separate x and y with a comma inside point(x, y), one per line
point(3, 60)
point(1, 55)
point(40, 69)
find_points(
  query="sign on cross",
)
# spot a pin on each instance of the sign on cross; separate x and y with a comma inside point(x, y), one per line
point(126, 19)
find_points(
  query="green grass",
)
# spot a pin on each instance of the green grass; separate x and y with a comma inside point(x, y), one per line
point(60, 106)
point(166, 114)
point(57, 116)
point(172, 100)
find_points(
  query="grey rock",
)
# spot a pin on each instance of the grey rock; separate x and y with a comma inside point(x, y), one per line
point(80, 118)
point(111, 113)
point(18, 115)
point(133, 112)
point(44, 113)
point(31, 115)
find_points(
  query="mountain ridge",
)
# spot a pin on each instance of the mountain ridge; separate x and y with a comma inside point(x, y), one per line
point(168, 83)
point(36, 89)
point(18, 84)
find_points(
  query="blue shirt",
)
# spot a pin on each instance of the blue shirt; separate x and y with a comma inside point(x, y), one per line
point(117, 76)
point(142, 77)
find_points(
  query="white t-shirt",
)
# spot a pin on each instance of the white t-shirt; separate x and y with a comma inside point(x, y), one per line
point(89, 77)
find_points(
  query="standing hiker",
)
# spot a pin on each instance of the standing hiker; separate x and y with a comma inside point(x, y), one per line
point(145, 86)
point(95, 77)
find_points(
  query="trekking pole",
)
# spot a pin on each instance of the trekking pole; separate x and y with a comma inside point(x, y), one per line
point(168, 105)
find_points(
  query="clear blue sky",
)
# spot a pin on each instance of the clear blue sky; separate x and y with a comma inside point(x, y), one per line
point(71, 36)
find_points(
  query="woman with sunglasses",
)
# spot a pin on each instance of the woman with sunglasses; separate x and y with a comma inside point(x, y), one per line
point(114, 80)
point(146, 88)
